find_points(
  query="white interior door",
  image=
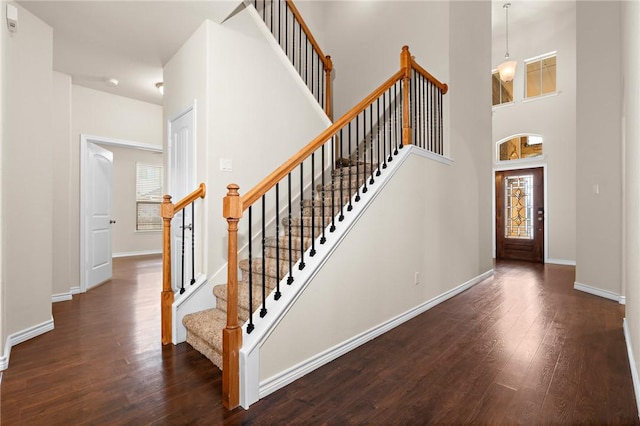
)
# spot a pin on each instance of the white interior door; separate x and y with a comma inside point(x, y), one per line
point(98, 254)
point(181, 183)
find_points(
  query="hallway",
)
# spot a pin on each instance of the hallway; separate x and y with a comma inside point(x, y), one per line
point(521, 347)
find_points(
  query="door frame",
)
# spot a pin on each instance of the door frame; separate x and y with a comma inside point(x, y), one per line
point(85, 140)
point(169, 157)
point(539, 162)
point(192, 172)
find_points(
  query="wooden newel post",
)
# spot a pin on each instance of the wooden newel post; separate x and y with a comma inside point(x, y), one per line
point(232, 334)
point(405, 64)
point(328, 67)
point(166, 297)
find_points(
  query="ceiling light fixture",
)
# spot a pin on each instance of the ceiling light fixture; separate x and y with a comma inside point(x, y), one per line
point(160, 87)
point(507, 69)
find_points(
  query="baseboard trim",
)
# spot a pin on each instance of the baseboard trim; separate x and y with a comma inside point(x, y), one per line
point(22, 336)
point(61, 297)
point(632, 364)
point(599, 292)
point(561, 262)
point(136, 253)
point(288, 376)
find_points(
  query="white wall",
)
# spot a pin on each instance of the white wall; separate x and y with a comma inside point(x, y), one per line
point(27, 175)
point(552, 117)
point(365, 38)
point(631, 195)
point(104, 115)
point(599, 146)
point(426, 238)
point(61, 136)
point(125, 240)
point(236, 117)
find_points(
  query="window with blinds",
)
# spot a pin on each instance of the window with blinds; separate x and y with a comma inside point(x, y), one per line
point(148, 197)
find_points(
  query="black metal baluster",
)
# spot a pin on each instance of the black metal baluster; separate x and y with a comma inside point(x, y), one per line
point(371, 179)
point(300, 47)
point(313, 206)
point(193, 244)
point(323, 239)
point(279, 22)
point(441, 126)
point(423, 142)
point(341, 177)
point(182, 259)
point(364, 149)
point(384, 132)
point(332, 228)
point(250, 326)
point(350, 206)
point(263, 311)
point(290, 278)
point(401, 117)
point(301, 265)
point(271, 15)
point(322, 85)
point(277, 294)
point(395, 116)
point(378, 134)
point(293, 40)
point(357, 158)
point(432, 130)
point(286, 29)
point(306, 60)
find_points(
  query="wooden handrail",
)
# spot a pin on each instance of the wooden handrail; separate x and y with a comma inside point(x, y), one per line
point(269, 182)
point(442, 86)
point(198, 193)
point(326, 60)
point(168, 211)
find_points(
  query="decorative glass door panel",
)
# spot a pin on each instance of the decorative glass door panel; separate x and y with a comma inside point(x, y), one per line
point(518, 207)
point(520, 214)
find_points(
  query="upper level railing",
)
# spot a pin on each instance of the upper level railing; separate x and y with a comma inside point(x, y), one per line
point(292, 33)
point(169, 210)
point(304, 200)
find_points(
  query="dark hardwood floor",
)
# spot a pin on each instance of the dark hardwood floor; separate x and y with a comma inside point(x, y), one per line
point(521, 347)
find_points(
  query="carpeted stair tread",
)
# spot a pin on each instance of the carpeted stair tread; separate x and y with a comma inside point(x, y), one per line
point(220, 293)
point(269, 267)
point(204, 332)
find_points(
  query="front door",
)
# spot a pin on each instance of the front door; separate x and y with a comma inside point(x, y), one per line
point(520, 214)
point(98, 255)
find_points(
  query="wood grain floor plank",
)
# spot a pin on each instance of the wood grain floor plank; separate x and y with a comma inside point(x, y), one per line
point(522, 347)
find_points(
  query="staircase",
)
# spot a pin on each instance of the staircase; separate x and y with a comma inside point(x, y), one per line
point(204, 328)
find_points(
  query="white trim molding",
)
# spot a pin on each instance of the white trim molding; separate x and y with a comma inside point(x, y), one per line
point(136, 253)
point(286, 377)
point(632, 364)
point(61, 297)
point(22, 336)
point(561, 262)
point(599, 292)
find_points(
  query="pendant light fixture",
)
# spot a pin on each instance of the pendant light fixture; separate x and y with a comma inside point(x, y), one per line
point(507, 69)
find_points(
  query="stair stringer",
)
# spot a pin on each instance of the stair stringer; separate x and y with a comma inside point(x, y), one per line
point(252, 386)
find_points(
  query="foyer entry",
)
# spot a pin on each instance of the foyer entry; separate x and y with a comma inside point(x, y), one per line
point(520, 214)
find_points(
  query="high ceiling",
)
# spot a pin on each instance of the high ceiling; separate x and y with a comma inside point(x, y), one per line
point(130, 41)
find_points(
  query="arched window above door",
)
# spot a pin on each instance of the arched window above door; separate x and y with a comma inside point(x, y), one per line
point(519, 147)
